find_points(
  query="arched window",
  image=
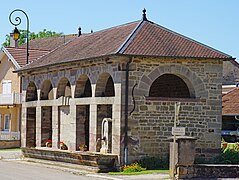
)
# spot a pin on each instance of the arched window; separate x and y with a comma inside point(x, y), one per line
point(105, 86)
point(83, 87)
point(31, 94)
point(170, 86)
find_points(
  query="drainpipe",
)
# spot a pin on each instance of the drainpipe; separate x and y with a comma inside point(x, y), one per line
point(126, 112)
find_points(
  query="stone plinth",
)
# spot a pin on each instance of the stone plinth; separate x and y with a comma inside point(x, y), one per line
point(184, 156)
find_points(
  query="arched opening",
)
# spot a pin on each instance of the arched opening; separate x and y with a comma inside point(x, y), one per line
point(31, 94)
point(105, 86)
point(64, 88)
point(171, 86)
point(46, 91)
point(83, 87)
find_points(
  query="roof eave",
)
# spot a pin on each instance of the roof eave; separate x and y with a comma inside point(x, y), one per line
point(61, 63)
point(11, 57)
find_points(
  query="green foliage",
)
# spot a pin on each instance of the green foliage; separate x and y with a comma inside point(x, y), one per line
point(229, 155)
point(135, 167)
point(31, 35)
point(152, 162)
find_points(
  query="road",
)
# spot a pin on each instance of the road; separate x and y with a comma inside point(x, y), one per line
point(17, 170)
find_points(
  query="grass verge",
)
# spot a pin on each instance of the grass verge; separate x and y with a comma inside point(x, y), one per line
point(10, 149)
point(138, 173)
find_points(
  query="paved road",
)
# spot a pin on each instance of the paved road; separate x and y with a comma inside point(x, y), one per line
point(17, 170)
point(13, 167)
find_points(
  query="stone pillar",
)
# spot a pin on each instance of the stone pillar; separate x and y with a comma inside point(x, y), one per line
point(184, 157)
point(38, 126)
point(116, 115)
point(93, 127)
point(55, 126)
point(72, 129)
point(24, 127)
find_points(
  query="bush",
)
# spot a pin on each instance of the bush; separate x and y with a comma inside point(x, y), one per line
point(135, 167)
point(153, 162)
point(229, 155)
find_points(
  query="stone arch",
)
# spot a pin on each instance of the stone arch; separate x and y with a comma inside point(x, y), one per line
point(31, 93)
point(105, 86)
point(193, 82)
point(63, 88)
point(83, 87)
point(46, 91)
point(171, 86)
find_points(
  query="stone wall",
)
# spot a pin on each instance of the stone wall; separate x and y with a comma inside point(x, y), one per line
point(230, 72)
point(151, 122)
point(216, 171)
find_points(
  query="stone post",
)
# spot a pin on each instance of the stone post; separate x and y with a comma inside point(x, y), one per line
point(55, 126)
point(38, 126)
point(24, 127)
point(93, 127)
point(184, 157)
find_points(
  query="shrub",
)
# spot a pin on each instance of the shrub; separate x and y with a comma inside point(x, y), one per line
point(228, 155)
point(153, 162)
point(135, 167)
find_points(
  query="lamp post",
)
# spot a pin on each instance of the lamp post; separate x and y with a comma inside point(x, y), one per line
point(16, 33)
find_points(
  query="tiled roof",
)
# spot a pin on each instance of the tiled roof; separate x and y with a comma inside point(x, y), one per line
point(91, 45)
point(19, 54)
point(138, 38)
point(49, 43)
point(155, 40)
point(230, 103)
point(38, 48)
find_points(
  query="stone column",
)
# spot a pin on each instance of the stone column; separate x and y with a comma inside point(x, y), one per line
point(38, 126)
point(24, 126)
point(72, 129)
point(116, 114)
point(93, 127)
point(55, 127)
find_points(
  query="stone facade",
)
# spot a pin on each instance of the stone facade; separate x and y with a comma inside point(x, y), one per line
point(152, 120)
point(78, 106)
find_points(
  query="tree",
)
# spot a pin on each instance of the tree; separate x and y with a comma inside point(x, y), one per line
point(31, 35)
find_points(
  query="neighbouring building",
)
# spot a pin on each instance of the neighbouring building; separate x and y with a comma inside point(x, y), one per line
point(11, 59)
point(230, 113)
point(131, 74)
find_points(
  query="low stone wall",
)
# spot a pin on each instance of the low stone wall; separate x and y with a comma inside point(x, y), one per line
point(104, 162)
point(216, 171)
point(5, 144)
point(205, 171)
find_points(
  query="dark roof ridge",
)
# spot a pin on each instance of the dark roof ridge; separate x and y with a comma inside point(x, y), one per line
point(190, 39)
point(130, 38)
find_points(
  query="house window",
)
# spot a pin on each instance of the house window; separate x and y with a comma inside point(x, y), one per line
point(7, 86)
point(7, 122)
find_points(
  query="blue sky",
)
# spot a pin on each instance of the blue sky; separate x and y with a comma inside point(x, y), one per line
point(212, 22)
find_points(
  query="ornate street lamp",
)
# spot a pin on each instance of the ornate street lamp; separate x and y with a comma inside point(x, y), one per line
point(16, 33)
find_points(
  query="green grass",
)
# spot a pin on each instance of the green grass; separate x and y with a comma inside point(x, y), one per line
point(10, 149)
point(138, 173)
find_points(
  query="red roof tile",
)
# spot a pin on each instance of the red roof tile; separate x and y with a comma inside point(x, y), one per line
point(19, 54)
point(138, 38)
point(105, 42)
point(155, 40)
point(49, 43)
point(230, 103)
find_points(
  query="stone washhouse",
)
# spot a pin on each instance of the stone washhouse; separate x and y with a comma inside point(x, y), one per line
point(132, 74)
